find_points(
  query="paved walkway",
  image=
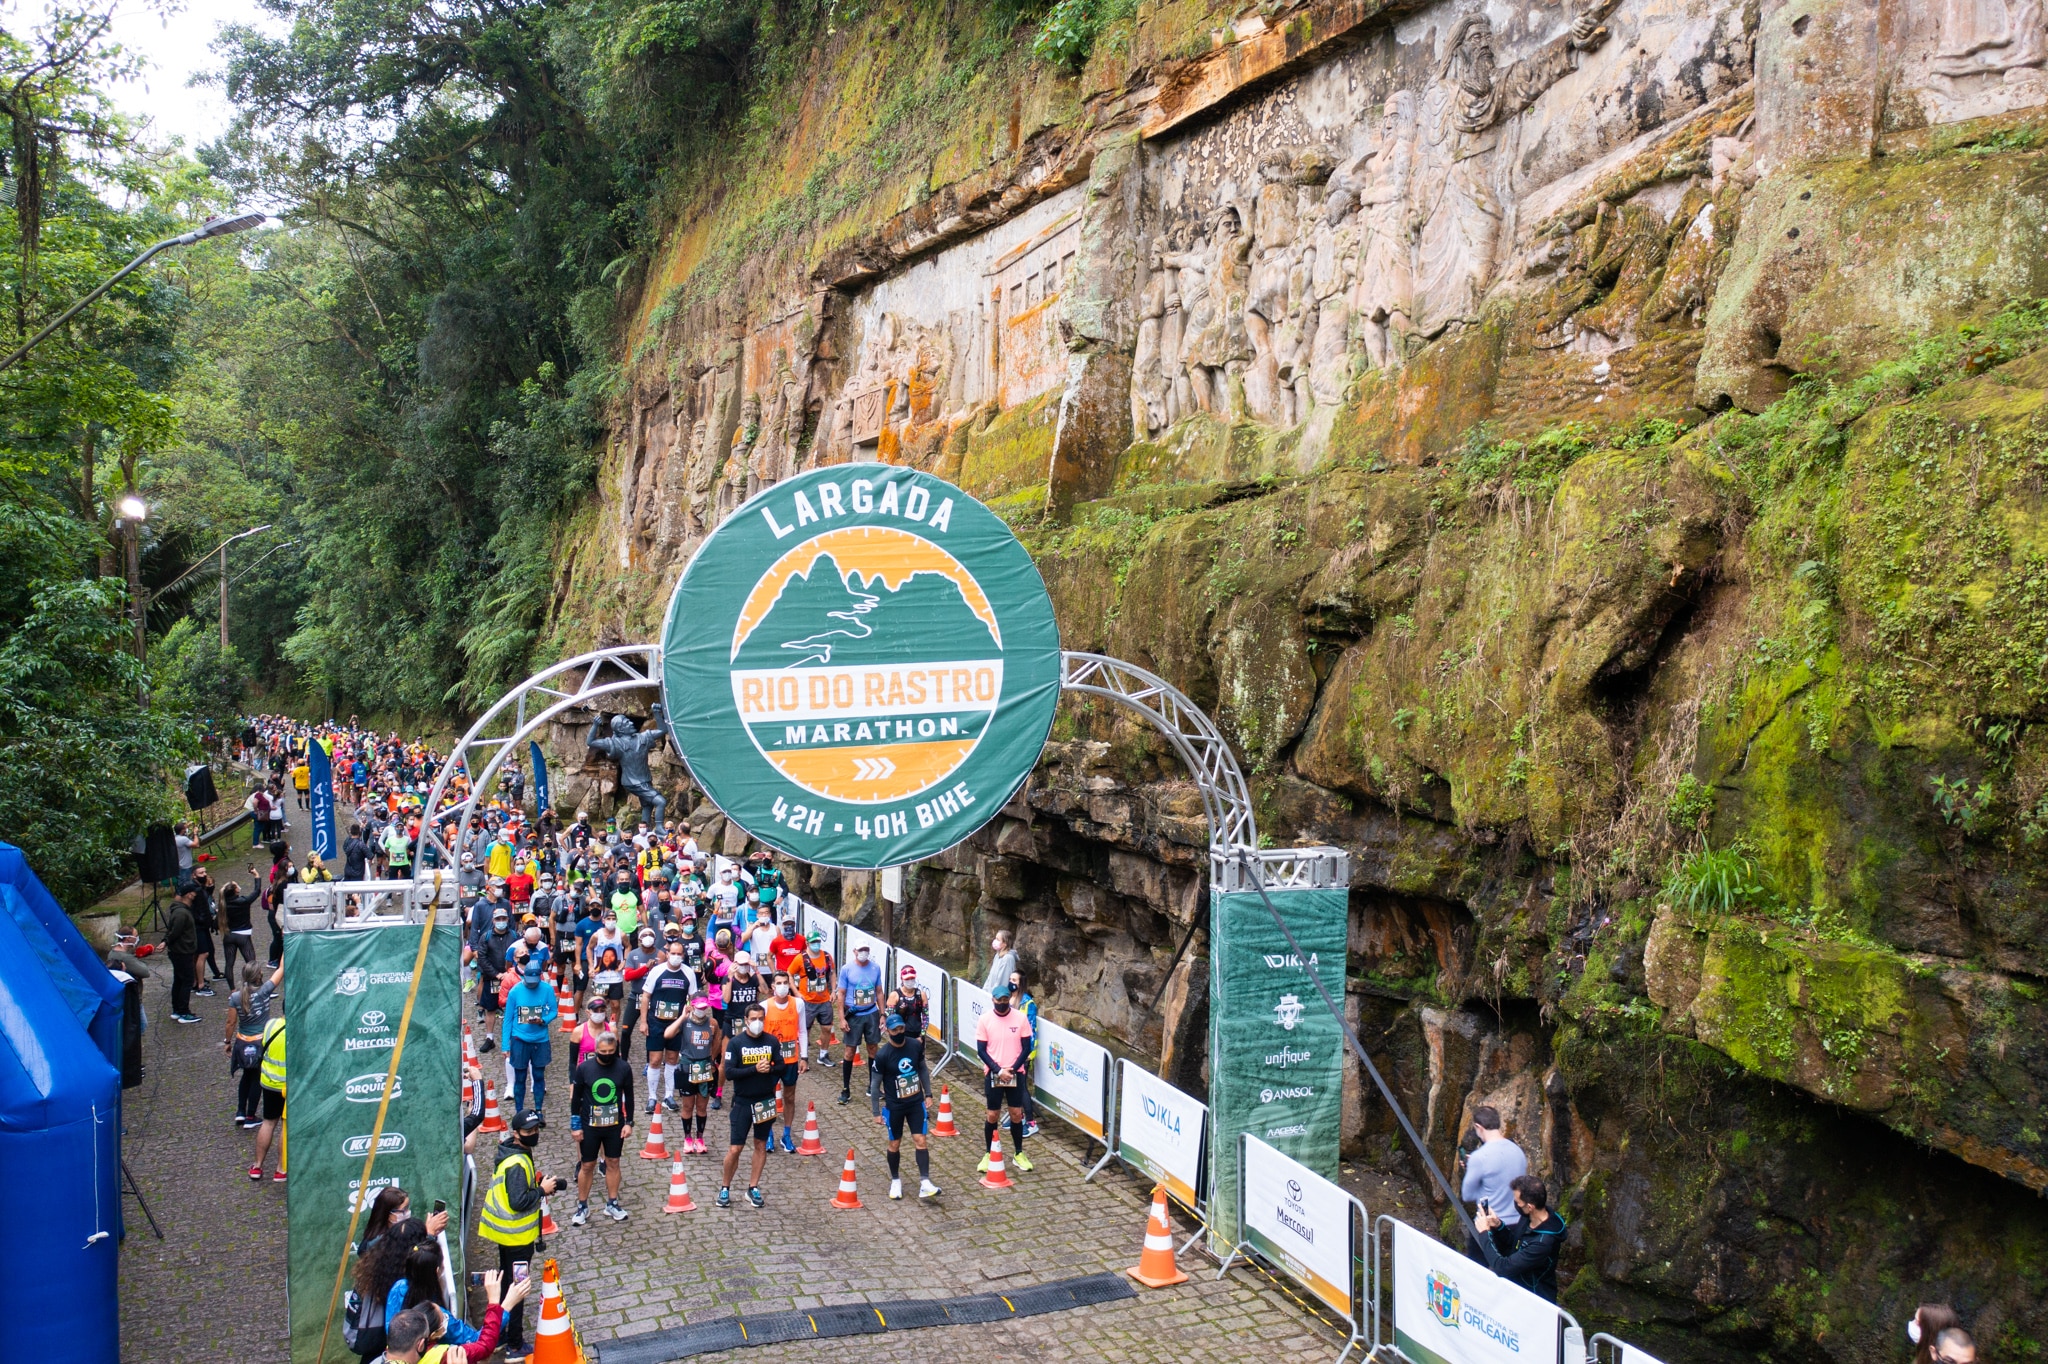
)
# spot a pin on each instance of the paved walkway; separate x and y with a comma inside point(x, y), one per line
point(214, 1287)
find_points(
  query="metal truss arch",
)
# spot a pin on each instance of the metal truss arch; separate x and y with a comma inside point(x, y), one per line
point(525, 710)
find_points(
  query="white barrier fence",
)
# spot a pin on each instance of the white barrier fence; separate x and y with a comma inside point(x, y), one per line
point(1445, 1308)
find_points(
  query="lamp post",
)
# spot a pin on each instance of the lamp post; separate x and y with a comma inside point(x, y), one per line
point(134, 511)
point(212, 227)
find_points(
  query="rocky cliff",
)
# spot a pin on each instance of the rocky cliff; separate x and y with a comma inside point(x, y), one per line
point(1589, 461)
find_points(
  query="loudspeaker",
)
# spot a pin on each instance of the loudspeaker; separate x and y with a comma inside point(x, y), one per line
point(158, 860)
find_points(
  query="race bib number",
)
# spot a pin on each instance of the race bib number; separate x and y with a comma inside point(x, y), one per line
point(668, 1010)
point(700, 1072)
point(863, 999)
point(604, 1115)
point(531, 1014)
point(763, 1111)
point(908, 1087)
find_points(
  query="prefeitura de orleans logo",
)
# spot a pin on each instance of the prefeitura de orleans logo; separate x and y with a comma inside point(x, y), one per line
point(861, 665)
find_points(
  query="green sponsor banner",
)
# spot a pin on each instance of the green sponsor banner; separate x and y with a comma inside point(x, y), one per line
point(1276, 1056)
point(345, 994)
point(861, 665)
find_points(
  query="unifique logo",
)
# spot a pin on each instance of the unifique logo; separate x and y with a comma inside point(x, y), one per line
point(388, 1144)
point(353, 980)
point(1287, 1013)
point(1288, 1057)
point(369, 1088)
point(1442, 1293)
point(867, 662)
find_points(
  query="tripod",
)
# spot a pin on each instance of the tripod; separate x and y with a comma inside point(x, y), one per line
point(129, 1186)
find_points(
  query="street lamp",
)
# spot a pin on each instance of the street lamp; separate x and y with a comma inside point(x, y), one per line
point(134, 511)
point(212, 227)
point(220, 549)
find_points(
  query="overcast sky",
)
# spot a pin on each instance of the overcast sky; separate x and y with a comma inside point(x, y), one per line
point(176, 50)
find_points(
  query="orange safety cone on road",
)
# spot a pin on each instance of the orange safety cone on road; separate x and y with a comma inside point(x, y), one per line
point(554, 1341)
point(849, 1194)
point(565, 1005)
point(492, 1122)
point(678, 1190)
point(548, 1225)
point(657, 1145)
point(468, 1045)
point(778, 1101)
point(813, 1144)
point(944, 1126)
point(1156, 1266)
point(997, 1177)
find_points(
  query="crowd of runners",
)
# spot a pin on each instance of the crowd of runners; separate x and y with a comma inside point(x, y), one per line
point(673, 982)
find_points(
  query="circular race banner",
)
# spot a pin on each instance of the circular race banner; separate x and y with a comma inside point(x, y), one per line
point(861, 665)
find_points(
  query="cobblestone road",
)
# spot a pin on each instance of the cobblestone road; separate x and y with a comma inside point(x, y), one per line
point(214, 1287)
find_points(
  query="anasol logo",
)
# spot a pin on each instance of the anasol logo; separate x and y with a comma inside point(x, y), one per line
point(1267, 1096)
point(867, 662)
point(389, 1144)
point(1162, 1115)
point(369, 1088)
point(1064, 1062)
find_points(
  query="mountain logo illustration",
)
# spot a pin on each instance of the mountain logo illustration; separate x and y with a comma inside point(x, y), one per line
point(866, 664)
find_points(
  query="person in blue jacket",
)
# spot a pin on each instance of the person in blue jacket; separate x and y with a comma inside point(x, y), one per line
point(528, 1034)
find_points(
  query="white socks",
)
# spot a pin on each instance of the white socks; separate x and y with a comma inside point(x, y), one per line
point(669, 1074)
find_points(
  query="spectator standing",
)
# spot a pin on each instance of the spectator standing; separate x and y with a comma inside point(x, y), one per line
point(1004, 964)
point(1490, 1170)
point(1925, 1326)
point(1525, 1251)
point(181, 940)
point(236, 908)
point(244, 1044)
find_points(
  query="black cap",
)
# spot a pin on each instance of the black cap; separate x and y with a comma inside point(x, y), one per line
point(528, 1120)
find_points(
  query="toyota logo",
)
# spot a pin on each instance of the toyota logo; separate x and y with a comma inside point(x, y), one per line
point(374, 1018)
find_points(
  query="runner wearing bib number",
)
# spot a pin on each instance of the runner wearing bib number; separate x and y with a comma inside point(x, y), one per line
point(783, 1015)
point(860, 991)
point(696, 1045)
point(906, 1088)
point(602, 1100)
point(753, 1062)
point(667, 992)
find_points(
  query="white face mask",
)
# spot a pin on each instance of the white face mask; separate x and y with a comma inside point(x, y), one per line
point(860, 958)
point(1913, 1329)
point(996, 946)
point(781, 991)
point(753, 1027)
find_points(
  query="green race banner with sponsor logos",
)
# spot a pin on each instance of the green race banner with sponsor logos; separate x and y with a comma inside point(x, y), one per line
point(860, 665)
point(345, 995)
point(1276, 1057)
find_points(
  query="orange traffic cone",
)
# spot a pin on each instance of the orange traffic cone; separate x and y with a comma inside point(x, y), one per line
point(492, 1121)
point(997, 1177)
point(778, 1100)
point(554, 1342)
point(678, 1190)
point(468, 1045)
point(944, 1126)
point(813, 1144)
point(548, 1225)
point(1156, 1266)
point(656, 1147)
point(848, 1195)
point(565, 1005)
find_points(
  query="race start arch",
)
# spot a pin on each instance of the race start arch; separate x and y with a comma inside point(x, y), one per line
point(860, 666)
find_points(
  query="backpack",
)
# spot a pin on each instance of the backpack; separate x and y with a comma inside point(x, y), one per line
point(362, 1325)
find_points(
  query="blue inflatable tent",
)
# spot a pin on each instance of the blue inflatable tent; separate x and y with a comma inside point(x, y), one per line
point(60, 1125)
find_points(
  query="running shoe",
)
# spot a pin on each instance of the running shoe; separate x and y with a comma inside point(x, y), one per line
point(1021, 1161)
point(256, 1173)
point(895, 1188)
point(927, 1189)
point(983, 1167)
point(717, 1102)
point(1030, 1129)
point(754, 1197)
point(184, 1018)
point(277, 1178)
point(614, 1211)
point(725, 1198)
point(206, 990)
point(788, 1141)
point(581, 1215)
point(845, 1096)
point(673, 1106)
point(652, 1104)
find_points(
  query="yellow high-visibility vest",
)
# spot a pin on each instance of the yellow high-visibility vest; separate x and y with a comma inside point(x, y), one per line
point(497, 1222)
point(273, 1055)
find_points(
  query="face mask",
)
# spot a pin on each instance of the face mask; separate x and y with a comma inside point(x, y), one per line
point(781, 991)
point(1002, 1006)
point(754, 1027)
point(860, 958)
point(996, 946)
point(1913, 1329)
point(742, 970)
point(897, 1036)
point(675, 959)
point(699, 1015)
point(500, 924)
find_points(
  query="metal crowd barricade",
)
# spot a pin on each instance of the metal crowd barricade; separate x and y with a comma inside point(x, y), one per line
point(1383, 1300)
point(1305, 1196)
point(1152, 1137)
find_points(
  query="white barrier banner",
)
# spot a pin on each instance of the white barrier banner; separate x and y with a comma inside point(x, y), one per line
point(1632, 1354)
point(970, 1002)
point(1450, 1310)
point(1070, 1075)
point(1298, 1220)
point(932, 979)
point(817, 920)
point(1159, 1132)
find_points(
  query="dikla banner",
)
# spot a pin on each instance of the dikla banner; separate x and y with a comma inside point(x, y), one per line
point(345, 994)
point(1449, 1310)
point(860, 665)
point(1276, 1056)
